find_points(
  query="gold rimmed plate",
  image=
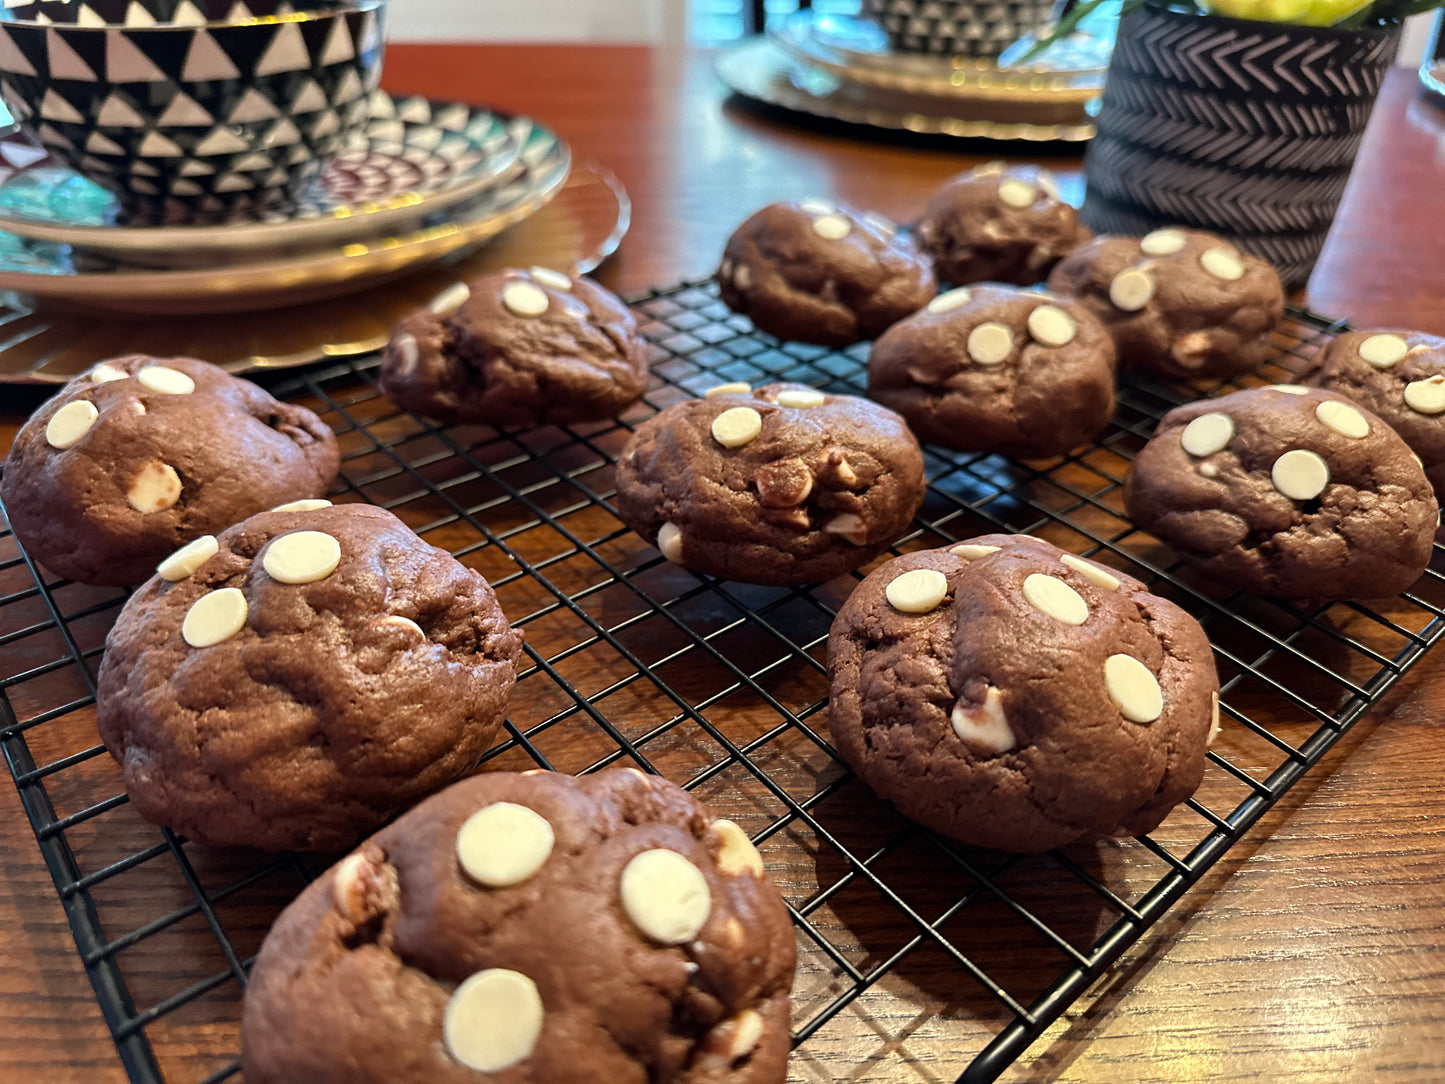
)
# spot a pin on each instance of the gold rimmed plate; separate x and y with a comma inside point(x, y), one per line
point(575, 231)
point(60, 273)
point(414, 159)
point(762, 71)
point(854, 51)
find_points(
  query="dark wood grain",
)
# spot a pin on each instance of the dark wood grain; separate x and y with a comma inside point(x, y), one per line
point(1311, 953)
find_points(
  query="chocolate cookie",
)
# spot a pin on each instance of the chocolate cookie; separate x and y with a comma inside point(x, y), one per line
point(531, 927)
point(140, 455)
point(998, 224)
point(1179, 303)
point(994, 369)
point(782, 485)
point(813, 272)
point(1287, 491)
point(294, 682)
point(517, 347)
point(1010, 695)
point(1398, 375)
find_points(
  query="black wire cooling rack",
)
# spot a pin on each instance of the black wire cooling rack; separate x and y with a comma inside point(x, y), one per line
point(910, 947)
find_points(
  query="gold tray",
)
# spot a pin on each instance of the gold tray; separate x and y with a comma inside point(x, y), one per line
point(762, 71)
point(50, 343)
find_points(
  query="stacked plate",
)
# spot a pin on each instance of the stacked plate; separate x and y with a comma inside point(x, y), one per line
point(423, 181)
point(844, 68)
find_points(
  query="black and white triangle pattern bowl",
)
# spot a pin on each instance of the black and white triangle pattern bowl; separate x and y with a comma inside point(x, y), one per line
point(974, 28)
point(152, 12)
point(191, 123)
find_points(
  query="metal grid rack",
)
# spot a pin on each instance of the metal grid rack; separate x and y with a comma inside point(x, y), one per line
point(910, 946)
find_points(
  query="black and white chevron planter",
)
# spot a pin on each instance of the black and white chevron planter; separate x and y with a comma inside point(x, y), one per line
point(1247, 129)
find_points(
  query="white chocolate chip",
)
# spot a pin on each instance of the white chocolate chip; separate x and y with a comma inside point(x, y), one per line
point(1052, 596)
point(1422, 348)
point(990, 343)
point(1162, 242)
point(832, 227)
point(665, 896)
point(801, 399)
point(725, 269)
point(669, 541)
point(747, 1029)
point(302, 557)
point(105, 372)
point(1131, 289)
point(1214, 727)
point(1045, 180)
point(1134, 690)
point(1289, 389)
point(736, 388)
point(70, 423)
point(1382, 351)
point(1426, 396)
point(154, 488)
point(405, 623)
point(984, 727)
point(1300, 475)
point(737, 427)
point(188, 558)
point(504, 844)
point(815, 206)
point(1207, 434)
point(946, 302)
point(1052, 326)
point(1343, 419)
point(547, 277)
point(451, 299)
point(728, 1042)
point(972, 552)
point(364, 889)
point(1222, 264)
point(493, 1020)
point(988, 169)
point(166, 381)
point(407, 352)
point(742, 277)
point(1209, 470)
point(1017, 193)
point(1092, 572)
point(1192, 349)
point(918, 591)
point(850, 527)
point(310, 504)
point(736, 854)
point(524, 299)
point(214, 618)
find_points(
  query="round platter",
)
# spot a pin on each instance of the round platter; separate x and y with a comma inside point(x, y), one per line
point(49, 344)
point(414, 159)
point(53, 271)
point(762, 71)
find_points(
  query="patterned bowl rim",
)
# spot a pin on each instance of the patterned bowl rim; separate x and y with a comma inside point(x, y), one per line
point(343, 7)
point(342, 222)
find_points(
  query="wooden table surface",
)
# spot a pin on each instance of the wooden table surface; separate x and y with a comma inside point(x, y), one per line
point(1313, 951)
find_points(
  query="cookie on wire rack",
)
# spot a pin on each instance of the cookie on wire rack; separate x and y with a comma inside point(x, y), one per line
point(777, 485)
point(532, 927)
point(139, 455)
point(1287, 491)
point(1010, 695)
point(297, 680)
point(517, 347)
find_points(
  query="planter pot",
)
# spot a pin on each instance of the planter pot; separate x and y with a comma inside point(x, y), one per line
point(1246, 129)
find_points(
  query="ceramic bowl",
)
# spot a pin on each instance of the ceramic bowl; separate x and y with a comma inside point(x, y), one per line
point(209, 111)
point(975, 28)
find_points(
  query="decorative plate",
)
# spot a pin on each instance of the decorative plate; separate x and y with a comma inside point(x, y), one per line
point(760, 70)
point(1071, 73)
point(580, 228)
point(56, 271)
point(414, 159)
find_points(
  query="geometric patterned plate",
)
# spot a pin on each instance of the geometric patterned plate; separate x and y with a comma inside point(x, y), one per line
point(413, 159)
point(59, 272)
point(49, 344)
